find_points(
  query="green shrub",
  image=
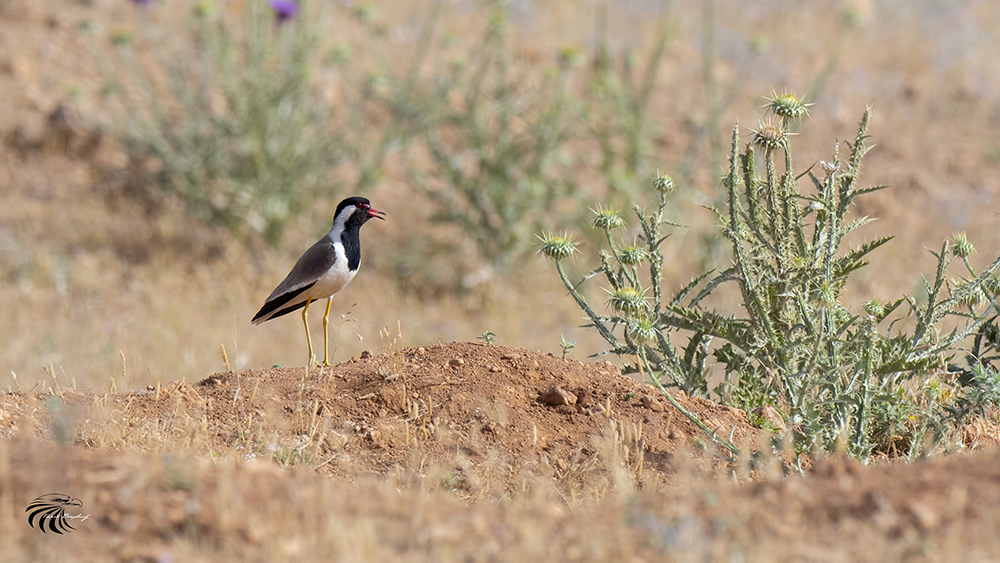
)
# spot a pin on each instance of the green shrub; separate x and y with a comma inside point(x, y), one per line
point(840, 378)
point(491, 155)
point(226, 111)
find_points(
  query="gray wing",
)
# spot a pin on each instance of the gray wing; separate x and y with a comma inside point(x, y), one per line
point(311, 266)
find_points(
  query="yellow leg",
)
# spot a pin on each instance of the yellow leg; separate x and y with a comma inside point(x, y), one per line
point(305, 322)
point(326, 335)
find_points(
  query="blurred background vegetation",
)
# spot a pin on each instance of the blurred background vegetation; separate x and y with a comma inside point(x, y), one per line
point(164, 163)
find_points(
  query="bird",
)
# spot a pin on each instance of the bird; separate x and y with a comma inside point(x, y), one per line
point(323, 270)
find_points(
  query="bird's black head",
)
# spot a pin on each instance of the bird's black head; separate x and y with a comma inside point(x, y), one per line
point(356, 211)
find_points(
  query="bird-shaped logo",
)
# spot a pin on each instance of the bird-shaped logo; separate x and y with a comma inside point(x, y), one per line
point(50, 509)
point(326, 268)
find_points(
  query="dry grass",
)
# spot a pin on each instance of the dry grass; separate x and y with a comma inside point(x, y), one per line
point(274, 465)
point(157, 483)
point(165, 507)
point(98, 293)
point(89, 281)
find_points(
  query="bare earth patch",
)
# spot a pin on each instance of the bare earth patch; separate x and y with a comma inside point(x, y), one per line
point(469, 404)
point(459, 451)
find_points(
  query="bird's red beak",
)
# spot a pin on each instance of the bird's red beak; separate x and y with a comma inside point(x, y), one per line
point(372, 212)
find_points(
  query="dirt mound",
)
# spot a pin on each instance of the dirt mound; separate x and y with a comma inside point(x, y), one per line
point(483, 419)
point(475, 413)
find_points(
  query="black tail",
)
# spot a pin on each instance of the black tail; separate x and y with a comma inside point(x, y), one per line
point(274, 304)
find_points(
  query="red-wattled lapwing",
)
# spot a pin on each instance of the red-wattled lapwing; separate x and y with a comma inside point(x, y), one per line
point(326, 268)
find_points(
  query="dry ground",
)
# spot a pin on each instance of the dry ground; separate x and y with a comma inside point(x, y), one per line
point(452, 452)
point(444, 452)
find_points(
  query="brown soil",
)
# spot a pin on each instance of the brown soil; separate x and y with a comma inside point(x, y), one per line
point(448, 449)
point(485, 404)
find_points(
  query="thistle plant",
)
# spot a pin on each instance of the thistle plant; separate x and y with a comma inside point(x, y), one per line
point(620, 98)
point(838, 376)
point(633, 321)
point(495, 162)
point(633, 325)
point(284, 10)
point(227, 111)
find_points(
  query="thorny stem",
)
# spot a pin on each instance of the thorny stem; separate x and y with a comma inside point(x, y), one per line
point(655, 256)
point(774, 205)
point(697, 421)
point(594, 317)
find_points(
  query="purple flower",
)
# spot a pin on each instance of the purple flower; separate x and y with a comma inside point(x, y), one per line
point(142, 3)
point(284, 10)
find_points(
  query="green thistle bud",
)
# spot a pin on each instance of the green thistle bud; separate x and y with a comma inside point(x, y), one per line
point(770, 137)
point(628, 301)
point(569, 57)
point(607, 219)
point(786, 106)
point(556, 247)
point(498, 20)
point(365, 12)
point(121, 38)
point(457, 63)
point(875, 308)
point(826, 295)
point(841, 315)
point(632, 255)
point(856, 13)
point(663, 183)
point(203, 9)
point(759, 44)
point(961, 247)
point(340, 54)
point(642, 331)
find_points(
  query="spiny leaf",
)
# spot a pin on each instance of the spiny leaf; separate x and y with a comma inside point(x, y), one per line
point(855, 224)
point(689, 287)
point(860, 252)
point(864, 191)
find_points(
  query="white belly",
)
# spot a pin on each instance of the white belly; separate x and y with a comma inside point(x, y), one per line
point(334, 280)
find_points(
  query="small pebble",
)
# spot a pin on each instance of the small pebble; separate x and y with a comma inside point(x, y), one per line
point(557, 396)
